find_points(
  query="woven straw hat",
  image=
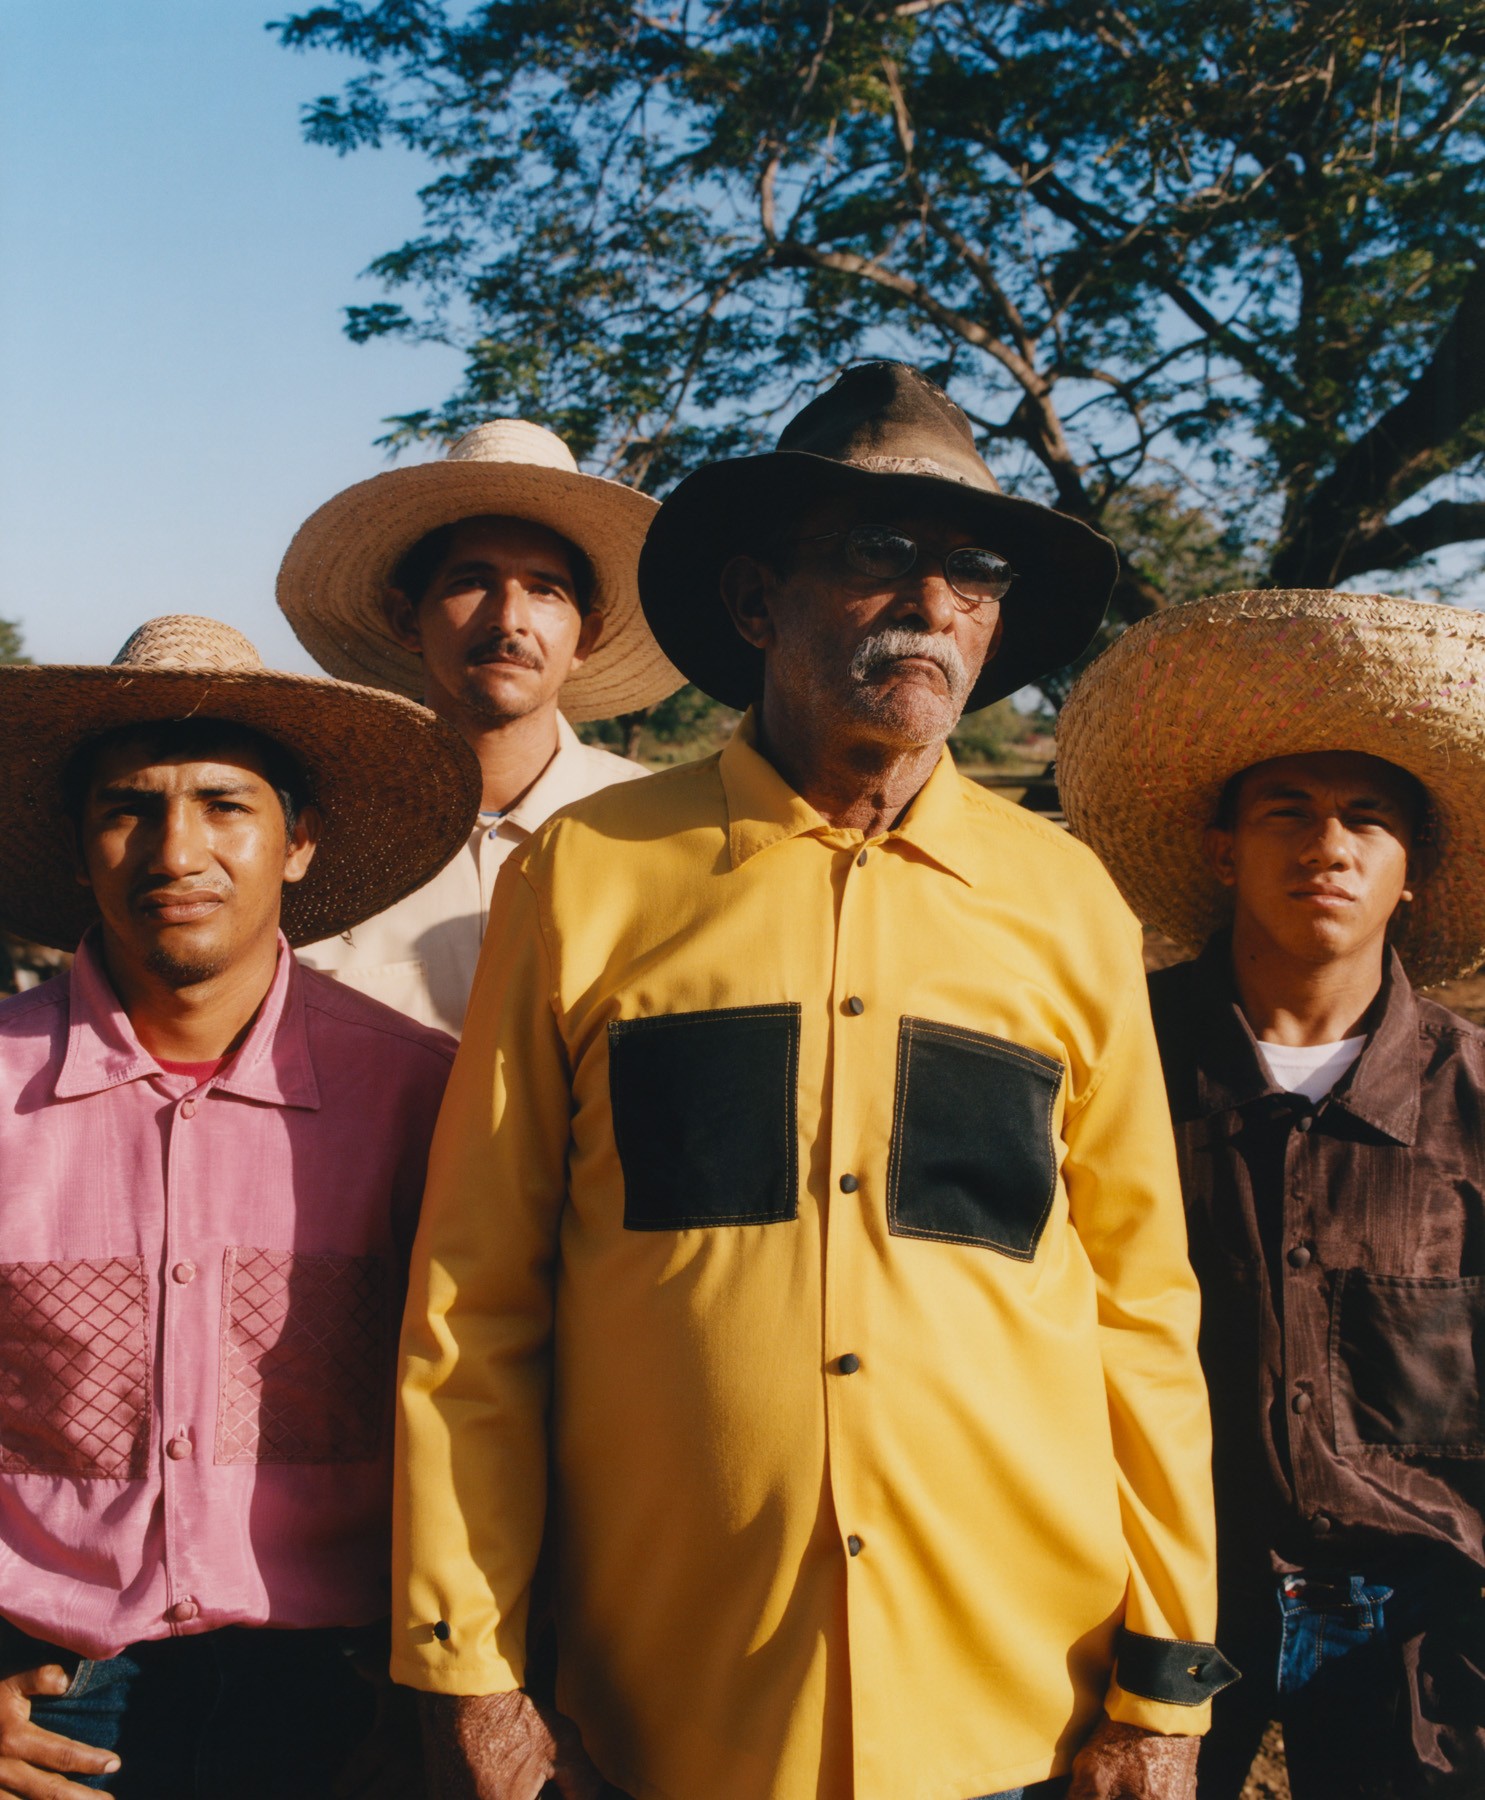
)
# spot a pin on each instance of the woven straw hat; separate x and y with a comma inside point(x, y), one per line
point(1191, 697)
point(337, 572)
point(397, 788)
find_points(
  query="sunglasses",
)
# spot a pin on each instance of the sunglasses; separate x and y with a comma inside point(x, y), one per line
point(882, 554)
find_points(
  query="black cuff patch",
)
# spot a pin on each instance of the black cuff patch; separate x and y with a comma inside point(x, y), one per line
point(1170, 1670)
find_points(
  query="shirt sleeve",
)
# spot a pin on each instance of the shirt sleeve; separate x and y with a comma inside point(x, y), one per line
point(471, 1465)
point(1124, 1194)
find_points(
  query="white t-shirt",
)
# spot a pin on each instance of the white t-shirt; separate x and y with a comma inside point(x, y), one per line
point(1310, 1069)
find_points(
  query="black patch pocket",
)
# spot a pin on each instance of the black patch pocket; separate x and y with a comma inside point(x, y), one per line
point(972, 1153)
point(1406, 1360)
point(705, 1116)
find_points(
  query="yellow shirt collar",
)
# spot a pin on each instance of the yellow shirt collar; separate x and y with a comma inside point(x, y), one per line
point(763, 810)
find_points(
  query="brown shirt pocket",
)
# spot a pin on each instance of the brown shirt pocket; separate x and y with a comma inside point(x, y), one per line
point(1405, 1355)
point(74, 1368)
point(305, 1373)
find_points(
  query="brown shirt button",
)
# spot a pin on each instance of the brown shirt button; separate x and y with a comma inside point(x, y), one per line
point(855, 1006)
point(178, 1449)
point(1301, 1403)
point(1299, 1257)
point(183, 1611)
point(183, 1272)
point(1320, 1525)
point(849, 1184)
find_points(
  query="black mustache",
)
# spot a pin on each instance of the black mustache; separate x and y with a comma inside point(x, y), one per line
point(508, 649)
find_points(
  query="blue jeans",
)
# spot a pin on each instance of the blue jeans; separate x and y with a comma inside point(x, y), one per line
point(224, 1715)
point(1378, 1679)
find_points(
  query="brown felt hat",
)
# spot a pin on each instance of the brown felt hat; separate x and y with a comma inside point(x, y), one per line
point(396, 788)
point(1159, 725)
point(883, 428)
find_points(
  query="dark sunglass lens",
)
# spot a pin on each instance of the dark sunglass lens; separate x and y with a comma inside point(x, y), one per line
point(875, 551)
point(978, 574)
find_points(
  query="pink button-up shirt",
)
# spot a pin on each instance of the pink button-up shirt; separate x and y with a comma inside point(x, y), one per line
point(199, 1303)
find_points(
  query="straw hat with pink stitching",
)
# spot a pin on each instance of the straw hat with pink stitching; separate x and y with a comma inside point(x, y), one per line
point(1191, 697)
point(336, 575)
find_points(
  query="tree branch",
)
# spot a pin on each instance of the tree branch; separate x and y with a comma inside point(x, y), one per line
point(1395, 546)
point(1393, 459)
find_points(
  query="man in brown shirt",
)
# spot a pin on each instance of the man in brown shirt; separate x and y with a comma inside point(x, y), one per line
point(1330, 1125)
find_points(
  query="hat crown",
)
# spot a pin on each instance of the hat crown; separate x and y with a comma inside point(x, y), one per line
point(187, 641)
point(888, 418)
point(514, 441)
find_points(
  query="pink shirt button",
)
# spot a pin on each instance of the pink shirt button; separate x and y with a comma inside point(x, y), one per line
point(178, 1449)
point(183, 1272)
point(183, 1612)
point(188, 1109)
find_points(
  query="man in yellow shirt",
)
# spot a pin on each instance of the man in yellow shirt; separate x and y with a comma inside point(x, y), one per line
point(802, 1268)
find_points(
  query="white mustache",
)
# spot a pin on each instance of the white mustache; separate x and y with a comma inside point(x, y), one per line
point(892, 645)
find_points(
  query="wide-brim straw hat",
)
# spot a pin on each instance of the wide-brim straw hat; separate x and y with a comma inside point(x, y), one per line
point(337, 573)
point(396, 788)
point(883, 430)
point(1189, 698)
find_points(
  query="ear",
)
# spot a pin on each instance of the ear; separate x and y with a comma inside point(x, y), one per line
point(1217, 846)
point(302, 841)
point(402, 620)
point(589, 633)
point(748, 587)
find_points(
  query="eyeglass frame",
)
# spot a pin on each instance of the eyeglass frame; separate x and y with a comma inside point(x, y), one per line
point(970, 600)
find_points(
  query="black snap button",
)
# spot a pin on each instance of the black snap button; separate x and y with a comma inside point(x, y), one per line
point(861, 860)
point(849, 1363)
point(853, 1544)
point(1299, 1257)
point(441, 1631)
point(856, 1006)
point(849, 1184)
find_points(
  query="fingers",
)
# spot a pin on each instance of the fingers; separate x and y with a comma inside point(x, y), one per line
point(50, 1678)
point(44, 1749)
point(19, 1781)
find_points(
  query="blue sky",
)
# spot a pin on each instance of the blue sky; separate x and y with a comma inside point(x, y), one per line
point(175, 392)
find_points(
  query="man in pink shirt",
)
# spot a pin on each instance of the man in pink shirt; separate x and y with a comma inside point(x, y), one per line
point(210, 1166)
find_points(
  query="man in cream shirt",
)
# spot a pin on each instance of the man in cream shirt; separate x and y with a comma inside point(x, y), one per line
point(498, 586)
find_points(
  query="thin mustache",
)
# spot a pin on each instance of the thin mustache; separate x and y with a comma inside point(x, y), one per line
point(892, 646)
point(507, 648)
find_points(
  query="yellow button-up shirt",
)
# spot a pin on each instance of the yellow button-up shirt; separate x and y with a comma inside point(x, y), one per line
point(807, 1205)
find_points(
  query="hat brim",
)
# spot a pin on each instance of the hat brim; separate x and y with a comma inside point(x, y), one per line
point(1187, 699)
point(337, 571)
point(396, 788)
point(1065, 571)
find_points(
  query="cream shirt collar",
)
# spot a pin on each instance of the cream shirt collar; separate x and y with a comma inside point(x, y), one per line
point(562, 781)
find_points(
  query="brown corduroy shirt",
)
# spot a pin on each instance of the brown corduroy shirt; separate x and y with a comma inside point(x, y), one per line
point(1341, 1255)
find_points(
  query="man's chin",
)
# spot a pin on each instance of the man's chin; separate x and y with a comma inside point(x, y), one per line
point(916, 711)
point(499, 692)
point(185, 956)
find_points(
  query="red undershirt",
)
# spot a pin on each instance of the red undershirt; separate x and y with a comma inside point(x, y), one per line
point(198, 1072)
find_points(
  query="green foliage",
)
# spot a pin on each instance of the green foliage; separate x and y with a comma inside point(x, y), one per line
point(12, 645)
point(1204, 272)
point(987, 736)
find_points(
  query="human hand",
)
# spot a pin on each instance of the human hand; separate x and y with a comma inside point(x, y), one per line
point(1126, 1762)
point(35, 1763)
point(503, 1747)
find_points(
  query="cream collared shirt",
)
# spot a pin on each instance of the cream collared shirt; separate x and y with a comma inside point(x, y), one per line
point(420, 955)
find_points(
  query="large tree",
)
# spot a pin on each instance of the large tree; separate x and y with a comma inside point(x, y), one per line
point(1213, 260)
